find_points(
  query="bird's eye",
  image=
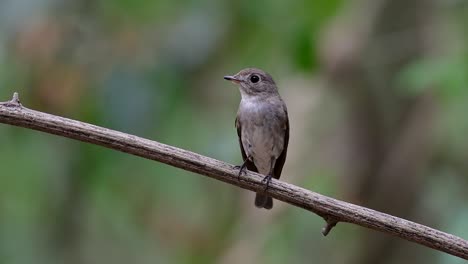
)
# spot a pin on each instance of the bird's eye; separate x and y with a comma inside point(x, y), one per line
point(254, 78)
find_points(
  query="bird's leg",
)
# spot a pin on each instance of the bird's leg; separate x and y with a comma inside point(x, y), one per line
point(268, 177)
point(242, 168)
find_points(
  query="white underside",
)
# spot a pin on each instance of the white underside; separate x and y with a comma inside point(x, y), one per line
point(258, 141)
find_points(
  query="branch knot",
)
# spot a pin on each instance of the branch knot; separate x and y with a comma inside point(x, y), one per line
point(331, 222)
point(14, 102)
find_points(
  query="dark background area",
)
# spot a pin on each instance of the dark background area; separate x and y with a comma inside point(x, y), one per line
point(378, 104)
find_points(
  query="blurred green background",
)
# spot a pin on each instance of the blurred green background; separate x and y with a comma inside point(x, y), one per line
point(377, 97)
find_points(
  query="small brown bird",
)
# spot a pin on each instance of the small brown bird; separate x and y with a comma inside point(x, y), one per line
point(262, 126)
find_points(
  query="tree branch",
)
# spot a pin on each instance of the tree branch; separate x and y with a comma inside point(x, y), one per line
point(332, 210)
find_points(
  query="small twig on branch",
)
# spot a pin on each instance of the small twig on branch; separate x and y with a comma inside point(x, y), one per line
point(330, 224)
point(14, 102)
point(332, 210)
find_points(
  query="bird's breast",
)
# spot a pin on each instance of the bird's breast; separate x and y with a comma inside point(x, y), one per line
point(262, 133)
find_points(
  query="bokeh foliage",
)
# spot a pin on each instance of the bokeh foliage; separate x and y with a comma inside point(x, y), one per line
point(154, 69)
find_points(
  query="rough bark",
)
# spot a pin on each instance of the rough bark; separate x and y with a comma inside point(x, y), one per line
point(332, 210)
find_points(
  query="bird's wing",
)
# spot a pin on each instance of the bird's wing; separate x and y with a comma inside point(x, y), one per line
point(282, 158)
point(250, 165)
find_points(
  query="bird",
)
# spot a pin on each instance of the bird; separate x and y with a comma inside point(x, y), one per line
point(262, 125)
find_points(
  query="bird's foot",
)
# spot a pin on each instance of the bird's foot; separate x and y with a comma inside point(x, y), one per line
point(267, 180)
point(242, 170)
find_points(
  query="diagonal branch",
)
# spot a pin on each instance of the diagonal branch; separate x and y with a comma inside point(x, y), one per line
point(332, 210)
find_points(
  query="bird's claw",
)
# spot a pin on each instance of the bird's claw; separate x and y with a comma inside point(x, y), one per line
point(241, 171)
point(267, 179)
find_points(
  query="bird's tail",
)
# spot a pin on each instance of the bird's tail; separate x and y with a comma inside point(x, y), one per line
point(263, 201)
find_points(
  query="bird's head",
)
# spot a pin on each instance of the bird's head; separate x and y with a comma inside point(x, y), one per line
point(253, 82)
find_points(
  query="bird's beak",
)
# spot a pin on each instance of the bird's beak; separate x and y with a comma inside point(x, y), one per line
point(233, 79)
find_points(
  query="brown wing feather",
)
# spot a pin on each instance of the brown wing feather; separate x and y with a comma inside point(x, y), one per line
point(282, 158)
point(250, 165)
